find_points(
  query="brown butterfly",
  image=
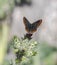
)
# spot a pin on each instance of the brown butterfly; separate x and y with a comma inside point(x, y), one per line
point(31, 27)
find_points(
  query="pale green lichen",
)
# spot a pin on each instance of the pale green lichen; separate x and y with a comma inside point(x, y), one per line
point(24, 48)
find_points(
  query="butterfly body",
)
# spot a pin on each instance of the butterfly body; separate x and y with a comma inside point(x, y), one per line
point(31, 27)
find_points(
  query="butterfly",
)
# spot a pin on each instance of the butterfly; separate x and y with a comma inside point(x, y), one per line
point(31, 27)
point(22, 2)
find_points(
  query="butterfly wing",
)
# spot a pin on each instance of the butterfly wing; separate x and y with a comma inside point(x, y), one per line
point(35, 25)
point(27, 24)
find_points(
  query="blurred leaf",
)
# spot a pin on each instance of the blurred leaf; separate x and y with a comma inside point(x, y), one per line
point(51, 59)
point(6, 7)
point(45, 50)
point(3, 42)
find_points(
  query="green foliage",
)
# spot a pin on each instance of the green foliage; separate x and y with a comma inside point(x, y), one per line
point(3, 41)
point(47, 54)
point(45, 50)
point(24, 49)
point(6, 6)
point(51, 59)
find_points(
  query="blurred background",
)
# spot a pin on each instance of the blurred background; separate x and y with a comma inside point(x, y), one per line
point(39, 9)
point(11, 23)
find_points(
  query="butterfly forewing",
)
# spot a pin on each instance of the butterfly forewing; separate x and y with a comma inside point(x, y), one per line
point(37, 23)
point(27, 24)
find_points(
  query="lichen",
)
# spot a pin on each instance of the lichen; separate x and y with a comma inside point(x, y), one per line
point(23, 49)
